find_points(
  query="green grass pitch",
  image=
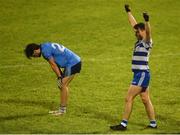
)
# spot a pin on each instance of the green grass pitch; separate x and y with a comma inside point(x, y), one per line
point(97, 30)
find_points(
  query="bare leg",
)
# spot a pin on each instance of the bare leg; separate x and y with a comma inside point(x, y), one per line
point(148, 104)
point(64, 90)
point(132, 93)
point(63, 96)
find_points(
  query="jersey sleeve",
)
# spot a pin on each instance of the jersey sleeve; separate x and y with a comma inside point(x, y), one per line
point(46, 53)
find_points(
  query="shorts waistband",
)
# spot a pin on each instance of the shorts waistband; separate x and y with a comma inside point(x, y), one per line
point(137, 70)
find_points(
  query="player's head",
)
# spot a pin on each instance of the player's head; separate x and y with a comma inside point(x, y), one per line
point(140, 30)
point(32, 50)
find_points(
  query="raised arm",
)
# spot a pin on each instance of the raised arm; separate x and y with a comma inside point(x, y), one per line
point(147, 26)
point(131, 18)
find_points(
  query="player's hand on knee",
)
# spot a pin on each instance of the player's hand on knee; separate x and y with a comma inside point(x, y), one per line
point(146, 16)
point(127, 8)
point(59, 82)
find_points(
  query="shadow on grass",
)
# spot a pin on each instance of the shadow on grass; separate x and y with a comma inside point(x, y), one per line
point(140, 126)
point(104, 116)
point(15, 117)
point(43, 104)
point(96, 114)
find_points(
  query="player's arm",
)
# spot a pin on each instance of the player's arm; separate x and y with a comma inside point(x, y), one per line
point(54, 67)
point(147, 26)
point(57, 70)
point(131, 18)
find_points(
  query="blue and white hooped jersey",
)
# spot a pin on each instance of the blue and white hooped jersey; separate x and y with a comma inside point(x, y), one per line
point(141, 56)
point(62, 56)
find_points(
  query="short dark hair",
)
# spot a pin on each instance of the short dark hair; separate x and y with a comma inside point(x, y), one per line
point(140, 26)
point(29, 50)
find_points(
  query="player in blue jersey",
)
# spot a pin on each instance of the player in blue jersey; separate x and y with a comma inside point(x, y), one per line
point(140, 68)
point(59, 57)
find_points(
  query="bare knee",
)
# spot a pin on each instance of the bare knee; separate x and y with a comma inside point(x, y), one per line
point(128, 99)
point(64, 86)
point(145, 100)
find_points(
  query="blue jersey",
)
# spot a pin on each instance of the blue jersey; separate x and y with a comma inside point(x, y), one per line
point(62, 56)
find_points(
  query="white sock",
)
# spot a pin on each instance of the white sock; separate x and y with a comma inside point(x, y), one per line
point(62, 109)
point(153, 123)
point(124, 123)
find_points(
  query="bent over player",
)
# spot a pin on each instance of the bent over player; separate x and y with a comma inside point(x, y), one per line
point(58, 57)
point(141, 72)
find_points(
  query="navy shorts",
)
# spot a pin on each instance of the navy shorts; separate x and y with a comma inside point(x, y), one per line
point(68, 71)
point(141, 78)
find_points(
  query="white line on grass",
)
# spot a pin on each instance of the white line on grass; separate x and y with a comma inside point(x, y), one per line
point(86, 59)
point(22, 65)
point(124, 57)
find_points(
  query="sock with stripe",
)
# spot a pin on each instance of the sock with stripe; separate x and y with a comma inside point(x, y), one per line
point(153, 123)
point(62, 109)
point(124, 123)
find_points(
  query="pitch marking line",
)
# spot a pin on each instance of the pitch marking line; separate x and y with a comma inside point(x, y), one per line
point(88, 60)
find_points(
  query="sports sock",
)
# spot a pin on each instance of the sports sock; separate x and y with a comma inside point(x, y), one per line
point(153, 123)
point(124, 123)
point(62, 109)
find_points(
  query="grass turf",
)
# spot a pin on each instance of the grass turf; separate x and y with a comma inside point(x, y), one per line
point(99, 32)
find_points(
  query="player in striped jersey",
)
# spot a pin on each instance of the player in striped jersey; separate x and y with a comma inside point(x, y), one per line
point(141, 72)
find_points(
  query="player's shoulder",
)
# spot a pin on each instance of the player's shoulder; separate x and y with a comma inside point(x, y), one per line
point(46, 45)
point(148, 43)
